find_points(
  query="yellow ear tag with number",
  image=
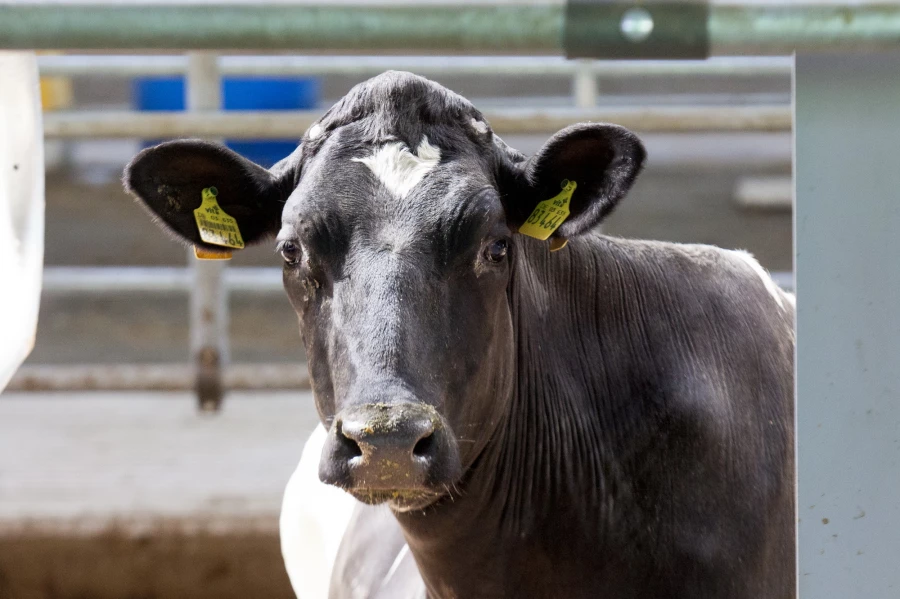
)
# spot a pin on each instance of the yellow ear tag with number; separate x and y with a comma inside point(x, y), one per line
point(549, 214)
point(216, 227)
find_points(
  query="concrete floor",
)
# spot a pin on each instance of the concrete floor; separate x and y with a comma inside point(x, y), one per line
point(80, 461)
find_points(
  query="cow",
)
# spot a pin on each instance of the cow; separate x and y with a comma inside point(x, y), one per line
point(612, 418)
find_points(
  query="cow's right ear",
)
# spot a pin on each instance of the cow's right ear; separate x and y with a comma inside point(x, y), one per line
point(602, 160)
point(168, 180)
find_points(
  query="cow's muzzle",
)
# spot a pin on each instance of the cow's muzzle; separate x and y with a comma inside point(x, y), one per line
point(403, 453)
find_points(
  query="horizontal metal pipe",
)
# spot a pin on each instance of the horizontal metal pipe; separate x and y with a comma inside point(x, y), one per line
point(159, 279)
point(153, 377)
point(765, 193)
point(164, 279)
point(360, 66)
point(293, 124)
point(782, 28)
point(439, 27)
point(327, 26)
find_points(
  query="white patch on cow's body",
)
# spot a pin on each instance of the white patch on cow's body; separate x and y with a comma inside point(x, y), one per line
point(771, 286)
point(314, 131)
point(314, 517)
point(400, 170)
point(397, 561)
point(479, 126)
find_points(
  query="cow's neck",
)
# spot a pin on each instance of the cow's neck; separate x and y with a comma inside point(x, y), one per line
point(545, 486)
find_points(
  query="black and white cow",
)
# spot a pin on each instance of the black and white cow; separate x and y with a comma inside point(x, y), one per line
point(609, 420)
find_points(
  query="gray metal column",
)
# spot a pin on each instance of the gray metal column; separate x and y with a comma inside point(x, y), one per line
point(848, 325)
point(208, 294)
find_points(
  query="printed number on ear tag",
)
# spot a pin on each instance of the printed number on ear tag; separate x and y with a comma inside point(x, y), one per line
point(549, 214)
point(216, 227)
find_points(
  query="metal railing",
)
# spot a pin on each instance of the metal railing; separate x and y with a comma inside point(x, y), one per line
point(749, 28)
point(293, 124)
point(363, 66)
point(168, 279)
point(584, 77)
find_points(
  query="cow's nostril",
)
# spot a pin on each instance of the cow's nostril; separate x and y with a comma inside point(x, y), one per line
point(350, 446)
point(424, 446)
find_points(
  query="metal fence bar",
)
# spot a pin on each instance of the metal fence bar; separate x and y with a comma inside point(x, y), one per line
point(359, 66)
point(584, 85)
point(293, 124)
point(164, 279)
point(448, 27)
point(209, 298)
point(765, 193)
point(153, 377)
point(158, 279)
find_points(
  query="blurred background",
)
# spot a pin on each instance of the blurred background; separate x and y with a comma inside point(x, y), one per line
point(113, 483)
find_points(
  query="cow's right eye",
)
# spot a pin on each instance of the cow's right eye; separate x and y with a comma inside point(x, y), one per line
point(290, 252)
point(496, 251)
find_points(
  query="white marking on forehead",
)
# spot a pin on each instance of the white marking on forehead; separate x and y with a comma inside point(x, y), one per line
point(479, 126)
point(771, 287)
point(314, 131)
point(400, 170)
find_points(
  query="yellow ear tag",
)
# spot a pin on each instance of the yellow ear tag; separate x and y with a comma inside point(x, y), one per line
point(216, 227)
point(549, 214)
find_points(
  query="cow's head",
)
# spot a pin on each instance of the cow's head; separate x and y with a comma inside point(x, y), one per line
point(397, 221)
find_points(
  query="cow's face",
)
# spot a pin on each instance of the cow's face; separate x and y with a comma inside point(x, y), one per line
point(397, 221)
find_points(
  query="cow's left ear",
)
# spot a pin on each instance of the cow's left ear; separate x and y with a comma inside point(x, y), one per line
point(169, 180)
point(602, 159)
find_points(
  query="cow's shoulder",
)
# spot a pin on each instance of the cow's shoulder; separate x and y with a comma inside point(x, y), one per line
point(702, 273)
point(708, 330)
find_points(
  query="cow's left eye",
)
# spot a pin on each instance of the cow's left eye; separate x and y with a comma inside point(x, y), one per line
point(290, 252)
point(496, 251)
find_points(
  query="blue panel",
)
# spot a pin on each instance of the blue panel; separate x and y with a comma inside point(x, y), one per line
point(257, 93)
point(158, 94)
point(238, 93)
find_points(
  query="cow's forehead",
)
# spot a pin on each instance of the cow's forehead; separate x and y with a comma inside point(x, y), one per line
point(389, 185)
point(397, 146)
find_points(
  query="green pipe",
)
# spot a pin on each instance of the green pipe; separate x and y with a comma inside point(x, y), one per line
point(784, 29)
point(444, 28)
point(525, 28)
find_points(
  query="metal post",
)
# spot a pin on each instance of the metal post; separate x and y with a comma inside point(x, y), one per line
point(847, 236)
point(584, 85)
point(209, 296)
